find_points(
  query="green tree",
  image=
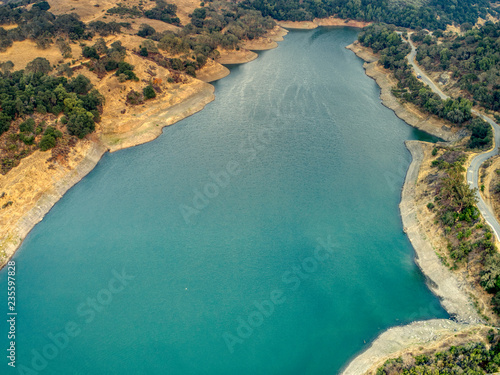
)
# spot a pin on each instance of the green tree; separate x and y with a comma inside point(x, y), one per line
point(80, 122)
point(27, 126)
point(39, 65)
point(47, 142)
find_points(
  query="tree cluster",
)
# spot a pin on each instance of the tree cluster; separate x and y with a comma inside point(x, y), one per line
point(473, 59)
point(40, 25)
point(29, 91)
point(473, 358)
point(104, 59)
point(221, 25)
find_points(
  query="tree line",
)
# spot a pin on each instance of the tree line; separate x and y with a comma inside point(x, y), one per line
point(434, 14)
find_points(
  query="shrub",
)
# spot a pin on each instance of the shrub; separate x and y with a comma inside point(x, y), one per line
point(27, 140)
point(27, 126)
point(4, 122)
point(53, 132)
point(134, 97)
point(146, 31)
point(90, 52)
point(126, 70)
point(149, 92)
point(110, 65)
point(47, 142)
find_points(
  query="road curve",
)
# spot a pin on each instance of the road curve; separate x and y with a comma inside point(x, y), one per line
point(473, 170)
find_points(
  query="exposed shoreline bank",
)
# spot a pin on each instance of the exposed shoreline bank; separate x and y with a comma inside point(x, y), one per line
point(317, 22)
point(400, 340)
point(92, 152)
point(453, 295)
point(441, 281)
point(407, 112)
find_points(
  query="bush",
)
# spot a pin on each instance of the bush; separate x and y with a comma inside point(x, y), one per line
point(126, 70)
point(27, 126)
point(47, 142)
point(53, 132)
point(149, 92)
point(110, 65)
point(90, 52)
point(4, 122)
point(134, 97)
point(27, 140)
point(146, 31)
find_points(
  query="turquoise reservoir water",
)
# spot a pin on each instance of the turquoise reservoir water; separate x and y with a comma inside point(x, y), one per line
point(201, 252)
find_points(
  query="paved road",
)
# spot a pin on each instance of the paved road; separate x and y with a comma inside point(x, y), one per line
point(473, 170)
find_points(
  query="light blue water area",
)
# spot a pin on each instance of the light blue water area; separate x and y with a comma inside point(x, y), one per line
point(313, 157)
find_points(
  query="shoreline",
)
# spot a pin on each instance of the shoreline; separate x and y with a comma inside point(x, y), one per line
point(406, 112)
point(47, 199)
point(440, 280)
point(400, 340)
point(451, 292)
point(326, 22)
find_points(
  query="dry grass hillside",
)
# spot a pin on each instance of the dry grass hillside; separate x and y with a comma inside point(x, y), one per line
point(94, 10)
